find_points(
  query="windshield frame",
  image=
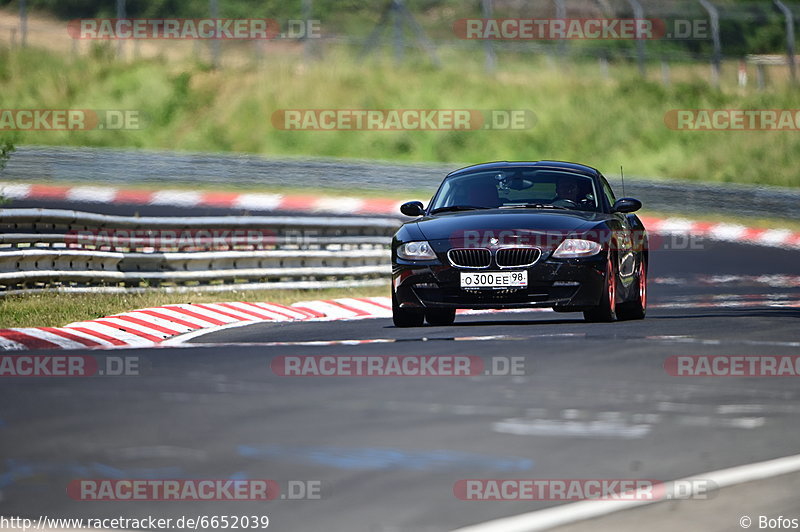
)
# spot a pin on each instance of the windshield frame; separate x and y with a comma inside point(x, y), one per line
point(599, 196)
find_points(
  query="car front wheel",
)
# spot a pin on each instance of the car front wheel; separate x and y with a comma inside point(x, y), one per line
point(440, 316)
point(636, 309)
point(403, 317)
point(607, 309)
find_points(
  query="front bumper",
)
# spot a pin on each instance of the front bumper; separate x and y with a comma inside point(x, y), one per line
point(575, 284)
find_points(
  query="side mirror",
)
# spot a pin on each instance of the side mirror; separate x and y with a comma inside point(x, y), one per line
point(412, 208)
point(626, 205)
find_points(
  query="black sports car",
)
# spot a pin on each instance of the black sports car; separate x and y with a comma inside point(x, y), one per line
point(520, 234)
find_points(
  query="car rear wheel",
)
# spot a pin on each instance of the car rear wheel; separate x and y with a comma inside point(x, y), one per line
point(636, 310)
point(403, 317)
point(607, 309)
point(440, 316)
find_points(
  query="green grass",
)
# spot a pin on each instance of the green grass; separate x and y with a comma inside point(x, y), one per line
point(54, 309)
point(580, 115)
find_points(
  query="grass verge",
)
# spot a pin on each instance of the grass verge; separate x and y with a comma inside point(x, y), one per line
point(580, 115)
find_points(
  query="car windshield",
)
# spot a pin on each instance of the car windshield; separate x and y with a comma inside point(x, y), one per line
point(522, 188)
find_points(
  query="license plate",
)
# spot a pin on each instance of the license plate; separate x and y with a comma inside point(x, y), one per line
point(494, 279)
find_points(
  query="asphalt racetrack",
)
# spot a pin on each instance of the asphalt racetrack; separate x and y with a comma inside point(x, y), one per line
point(595, 401)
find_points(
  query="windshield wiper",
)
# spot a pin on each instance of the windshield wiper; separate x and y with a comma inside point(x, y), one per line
point(457, 208)
point(536, 206)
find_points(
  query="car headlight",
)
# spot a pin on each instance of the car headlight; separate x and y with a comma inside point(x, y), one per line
point(416, 251)
point(572, 248)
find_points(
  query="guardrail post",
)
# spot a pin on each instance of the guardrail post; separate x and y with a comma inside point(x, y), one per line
point(488, 46)
point(606, 8)
point(607, 11)
point(120, 14)
point(716, 59)
point(603, 61)
point(213, 8)
point(397, 29)
point(561, 14)
point(23, 23)
point(638, 14)
point(761, 76)
point(307, 11)
point(787, 13)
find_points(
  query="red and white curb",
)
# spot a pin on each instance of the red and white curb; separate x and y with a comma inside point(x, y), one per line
point(175, 324)
point(189, 198)
point(781, 238)
point(148, 327)
point(153, 326)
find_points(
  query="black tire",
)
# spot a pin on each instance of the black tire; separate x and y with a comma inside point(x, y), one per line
point(636, 309)
point(403, 317)
point(440, 316)
point(606, 311)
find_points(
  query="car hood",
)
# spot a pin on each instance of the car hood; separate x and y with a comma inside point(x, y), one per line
point(445, 227)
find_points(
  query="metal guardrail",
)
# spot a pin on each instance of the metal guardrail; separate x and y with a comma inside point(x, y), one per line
point(120, 167)
point(43, 249)
point(703, 198)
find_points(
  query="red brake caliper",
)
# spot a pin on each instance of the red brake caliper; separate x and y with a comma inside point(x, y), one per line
point(643, 285)
point(612, 289)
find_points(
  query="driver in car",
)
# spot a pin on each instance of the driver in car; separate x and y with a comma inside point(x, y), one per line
point(566, 193)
